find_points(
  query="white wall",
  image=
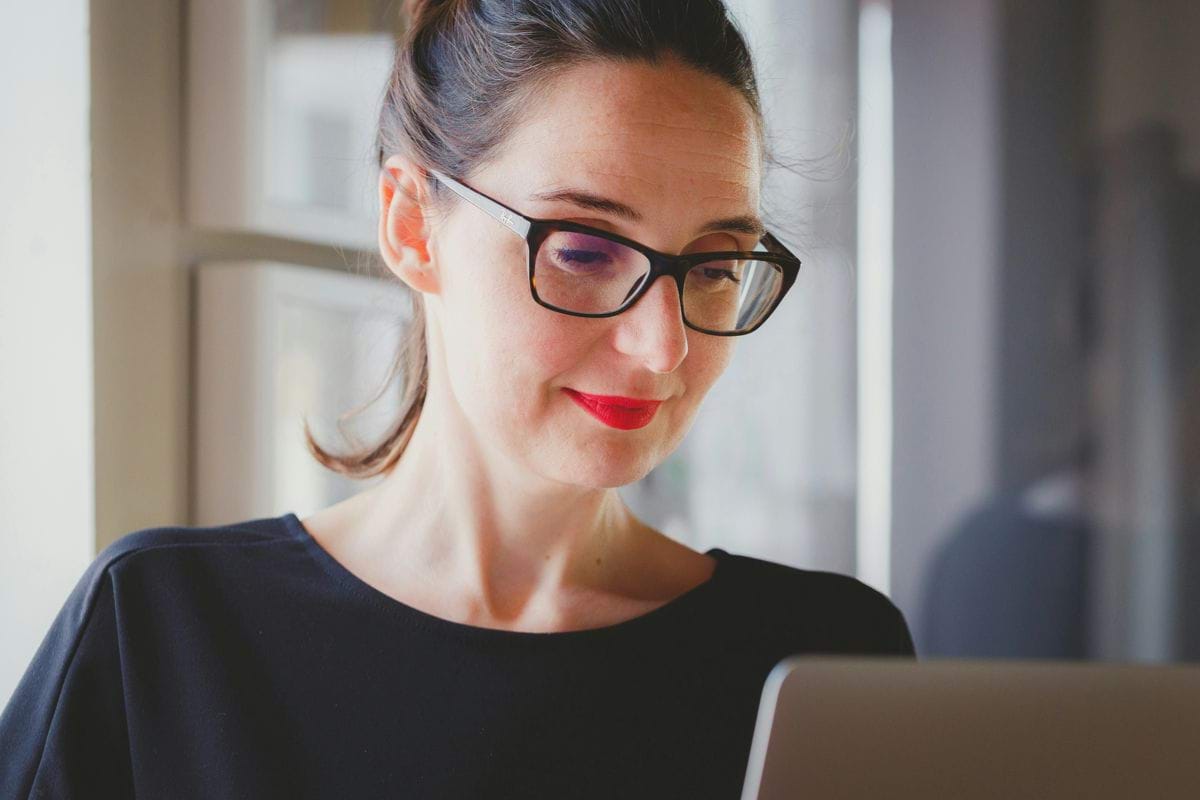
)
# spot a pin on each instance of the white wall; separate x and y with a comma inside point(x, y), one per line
point(947, 215)
point(789, 461)
point(46, 454)
point(94, 308)
point(140, 298)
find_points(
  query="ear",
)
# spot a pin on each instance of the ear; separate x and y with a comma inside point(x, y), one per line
point(403, 228)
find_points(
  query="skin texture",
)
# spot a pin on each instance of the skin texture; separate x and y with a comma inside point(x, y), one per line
point(503, 511)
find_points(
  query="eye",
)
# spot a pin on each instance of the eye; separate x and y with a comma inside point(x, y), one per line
point(584, 254)
point(578, 257)
point(718, 274)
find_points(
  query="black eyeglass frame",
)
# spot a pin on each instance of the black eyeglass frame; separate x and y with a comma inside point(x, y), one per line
point(535, 230)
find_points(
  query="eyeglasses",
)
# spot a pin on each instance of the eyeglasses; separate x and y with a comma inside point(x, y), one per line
point(588, 272)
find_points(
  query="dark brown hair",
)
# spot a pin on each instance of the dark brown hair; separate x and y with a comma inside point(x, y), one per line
point(464, 73)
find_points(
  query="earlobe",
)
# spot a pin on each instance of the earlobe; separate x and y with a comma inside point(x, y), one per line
point(403, 233)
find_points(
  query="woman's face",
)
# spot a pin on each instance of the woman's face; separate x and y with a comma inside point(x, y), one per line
point(677, 146)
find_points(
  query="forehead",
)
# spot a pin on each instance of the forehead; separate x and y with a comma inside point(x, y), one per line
point(665, 130)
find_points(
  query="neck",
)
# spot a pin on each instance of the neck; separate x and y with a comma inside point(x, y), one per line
point(460, 513)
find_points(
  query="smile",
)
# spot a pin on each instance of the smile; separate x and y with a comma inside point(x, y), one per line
point(625, 416)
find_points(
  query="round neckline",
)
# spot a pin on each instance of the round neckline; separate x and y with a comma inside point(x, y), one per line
point(407, 613)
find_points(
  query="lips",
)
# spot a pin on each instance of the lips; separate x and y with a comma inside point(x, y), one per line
point(625, 413)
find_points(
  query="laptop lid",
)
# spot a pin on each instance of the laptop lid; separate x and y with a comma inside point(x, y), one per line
point(898, 728)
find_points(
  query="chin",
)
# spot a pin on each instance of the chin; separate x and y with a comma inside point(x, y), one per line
point(607, 467)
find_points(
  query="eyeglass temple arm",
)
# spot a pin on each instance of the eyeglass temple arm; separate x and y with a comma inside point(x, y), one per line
point(505, 215)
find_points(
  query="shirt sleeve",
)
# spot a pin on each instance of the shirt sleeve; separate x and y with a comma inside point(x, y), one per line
point(63, 733)
point(903, 636)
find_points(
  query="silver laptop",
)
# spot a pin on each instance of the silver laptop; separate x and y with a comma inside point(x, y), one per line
point(834, 727)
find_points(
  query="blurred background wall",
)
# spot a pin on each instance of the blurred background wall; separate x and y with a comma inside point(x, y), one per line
point(47, 472)
point(1034, 422)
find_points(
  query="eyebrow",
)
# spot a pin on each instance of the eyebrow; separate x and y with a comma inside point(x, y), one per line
point(744, 223)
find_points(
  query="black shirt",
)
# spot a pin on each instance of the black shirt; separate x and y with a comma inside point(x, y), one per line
point(243, 661)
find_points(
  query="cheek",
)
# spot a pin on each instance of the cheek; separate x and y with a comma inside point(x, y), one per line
point(709, 357)
point(551, 351)
point(517, 351)
point(484, 302)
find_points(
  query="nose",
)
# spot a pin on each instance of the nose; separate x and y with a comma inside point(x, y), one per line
point(653, 328)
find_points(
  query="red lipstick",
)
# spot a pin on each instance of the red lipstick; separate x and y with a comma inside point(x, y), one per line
point(626, 413)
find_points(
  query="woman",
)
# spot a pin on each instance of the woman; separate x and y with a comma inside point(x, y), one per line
point(489, 619)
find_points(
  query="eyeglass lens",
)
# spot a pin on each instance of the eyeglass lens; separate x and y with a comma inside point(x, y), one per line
point(591, 275)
